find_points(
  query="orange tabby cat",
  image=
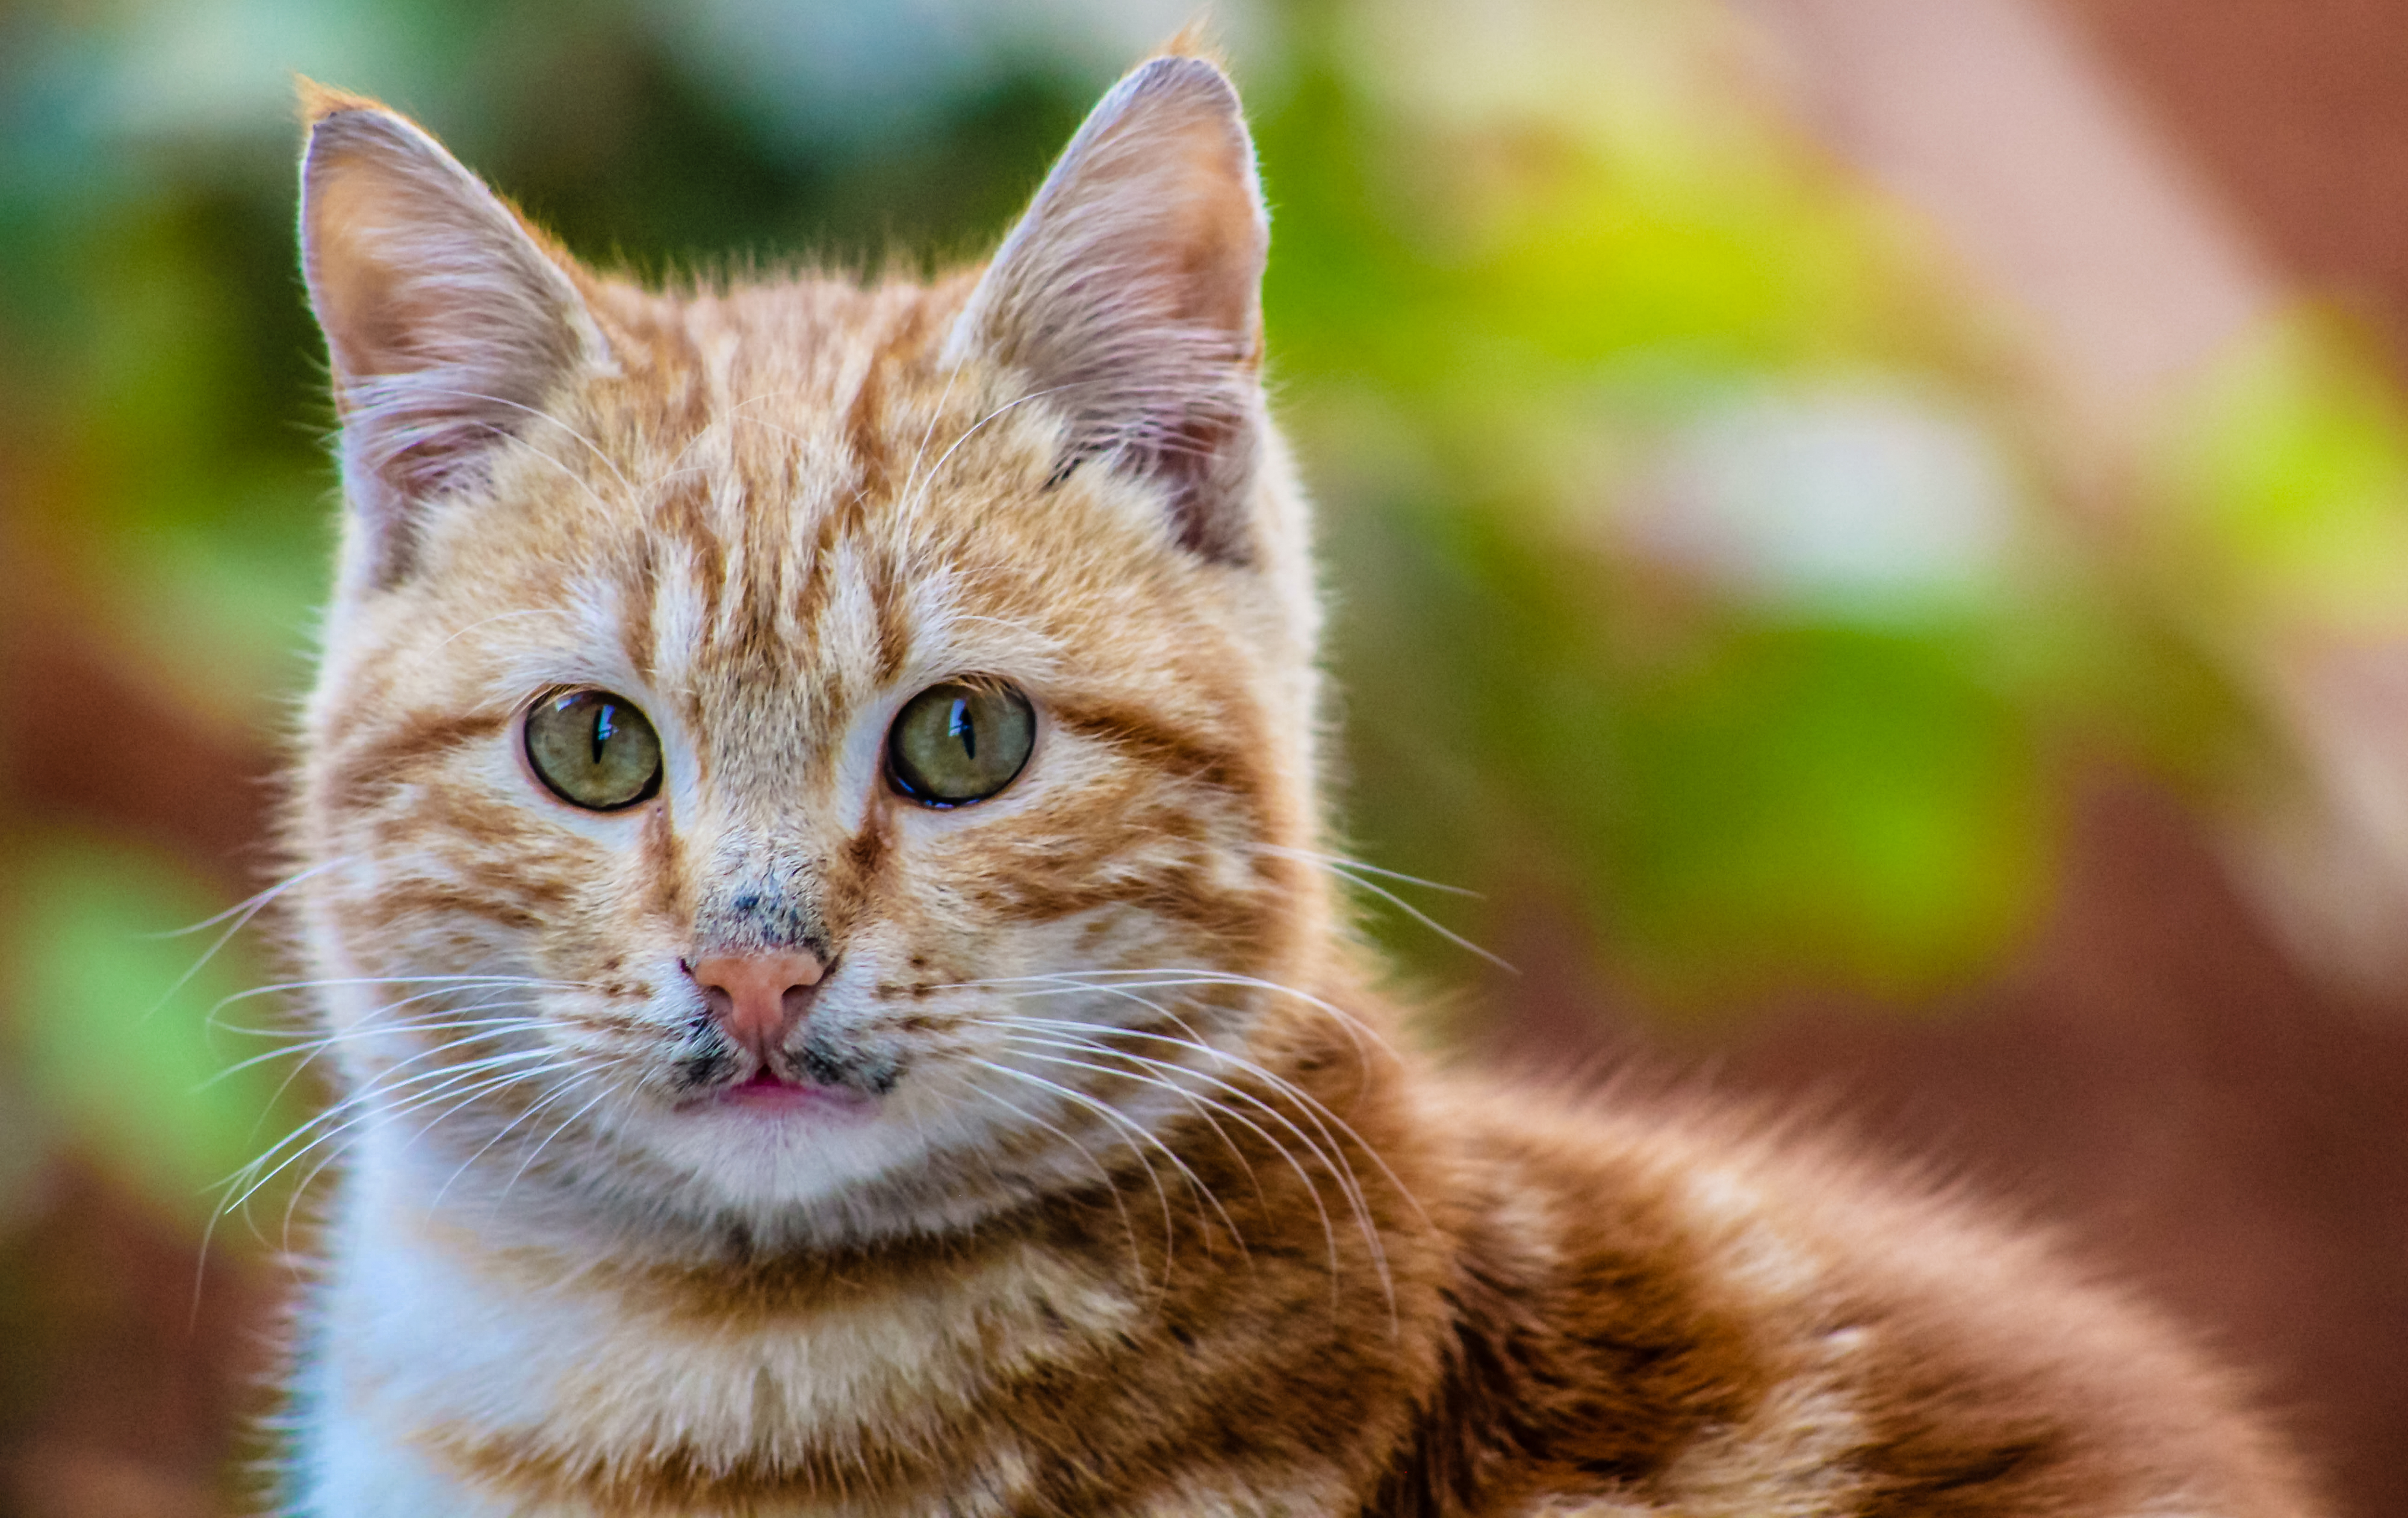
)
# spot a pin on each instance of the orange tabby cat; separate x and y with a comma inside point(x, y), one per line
point(810, 831)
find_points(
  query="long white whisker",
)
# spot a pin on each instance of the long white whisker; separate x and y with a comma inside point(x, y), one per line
point(1121, 1120)
point(501, 616)
point(456, 982)
point(553, 1096)
point(249, 905)
point(295, 1037)
point(371, 1098)
point(474, 1094)
point(1067, 984)
point(1342, 865)
point(445, 1021)
point(1314, 1109)
point(608, 1091)
point(1347, 873)
point(444, 985)
point(248, 1183)
point(1202, 1107)
point(1333, 1157)
point(1120, 1203)
point(968, 433)
point(242, 913)
point(241, 1180)
point(492, 1027)
point(1358, 1030)
point(525, 1026)
point(903, 516)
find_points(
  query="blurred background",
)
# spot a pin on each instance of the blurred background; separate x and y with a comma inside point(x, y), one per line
point(1868, 541)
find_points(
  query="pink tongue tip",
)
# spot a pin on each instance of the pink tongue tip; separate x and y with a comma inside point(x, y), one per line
point(764, 1077)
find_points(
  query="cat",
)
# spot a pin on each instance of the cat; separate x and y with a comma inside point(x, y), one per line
point(808, 840)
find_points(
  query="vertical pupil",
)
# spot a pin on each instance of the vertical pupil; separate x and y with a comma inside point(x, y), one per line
point(604, 729)
point(957, 722)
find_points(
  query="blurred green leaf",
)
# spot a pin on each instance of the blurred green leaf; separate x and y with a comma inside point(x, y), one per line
point(113, 1021)
point(2289, 478)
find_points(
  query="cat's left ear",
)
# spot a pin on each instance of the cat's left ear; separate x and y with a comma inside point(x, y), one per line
point(1129, 297)
point(450, 324)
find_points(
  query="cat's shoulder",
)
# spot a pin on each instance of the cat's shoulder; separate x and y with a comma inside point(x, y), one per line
point(1707, 1296)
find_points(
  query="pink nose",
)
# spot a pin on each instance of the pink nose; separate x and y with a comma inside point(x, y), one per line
point(758, 998)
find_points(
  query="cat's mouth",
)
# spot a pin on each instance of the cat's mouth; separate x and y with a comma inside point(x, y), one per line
point(768, 1093)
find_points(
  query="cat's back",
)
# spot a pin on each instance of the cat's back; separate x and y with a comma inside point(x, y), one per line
point(1664, 1306)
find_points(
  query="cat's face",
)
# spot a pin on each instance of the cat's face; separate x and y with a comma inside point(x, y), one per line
point(942, 654)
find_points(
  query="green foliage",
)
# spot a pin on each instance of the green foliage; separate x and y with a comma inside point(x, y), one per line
point(1481, 358)
point(2286, 486)
point(115, 1037)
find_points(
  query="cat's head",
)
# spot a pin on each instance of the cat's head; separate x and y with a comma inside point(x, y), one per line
point(765, 735)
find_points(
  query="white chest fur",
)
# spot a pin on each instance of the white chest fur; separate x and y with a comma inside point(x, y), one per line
point(445, 1358)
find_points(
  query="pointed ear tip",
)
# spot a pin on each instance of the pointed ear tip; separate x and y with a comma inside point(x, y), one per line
point(319, 101)
point(322, 106)
point(1176, 69)
point(1194, 40)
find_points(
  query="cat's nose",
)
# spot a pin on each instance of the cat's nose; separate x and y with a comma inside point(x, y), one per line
point(758, 998)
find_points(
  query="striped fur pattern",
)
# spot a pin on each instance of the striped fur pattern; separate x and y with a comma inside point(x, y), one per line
point(1124, 1200)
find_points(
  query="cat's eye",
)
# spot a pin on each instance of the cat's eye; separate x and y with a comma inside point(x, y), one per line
point(959, 742)
point(594, 750)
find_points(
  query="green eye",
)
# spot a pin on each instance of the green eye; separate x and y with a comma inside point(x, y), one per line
point(594, 750)
point(956, 743)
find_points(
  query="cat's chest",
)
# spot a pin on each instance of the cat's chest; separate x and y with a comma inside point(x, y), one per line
point(516, 1372)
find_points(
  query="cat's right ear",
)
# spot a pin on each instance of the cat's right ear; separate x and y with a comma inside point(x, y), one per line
point(448, 324)
point(1129, 297)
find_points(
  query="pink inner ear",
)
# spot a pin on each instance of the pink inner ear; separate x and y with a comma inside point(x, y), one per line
point(1129, 296)
point(369, 310)
point(449, 326)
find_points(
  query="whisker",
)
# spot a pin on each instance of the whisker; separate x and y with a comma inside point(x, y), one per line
point(443, 984)
point(242, 913)
point(1313, 1107)
point(249, 905)
point(1120, 1203)
point(1127, 991)
point(1346, 871)
point(1357, 866)
point(530, 1026)
point(558, 1128)
point(968, 433)
point(1203, 1108)
point(302, 1187)
point(445, 1021)
point(539, 414)
point(367, 1101)
point(1333, 1158)
point(674, 467)
point(248, 1182)
point(501, 616)
point(553, 1096)
point(906, 504)
point(319, 1044)
point(1123, 1121)
point(1315, 1111)
point(1173, 978)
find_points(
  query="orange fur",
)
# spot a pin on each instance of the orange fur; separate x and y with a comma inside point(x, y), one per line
point(1134, 1208)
